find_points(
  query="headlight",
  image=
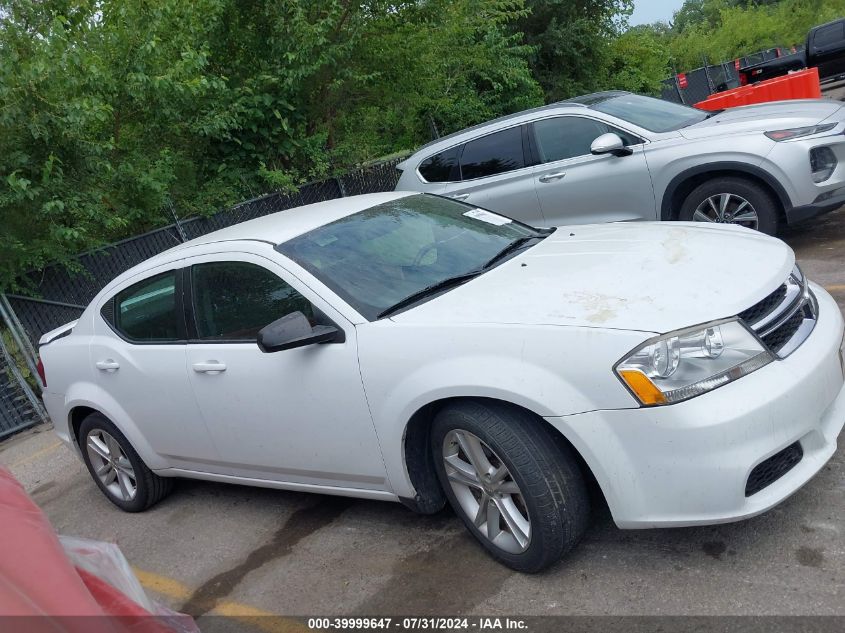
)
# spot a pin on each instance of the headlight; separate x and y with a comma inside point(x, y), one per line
point(798, 132)
point(684, 364)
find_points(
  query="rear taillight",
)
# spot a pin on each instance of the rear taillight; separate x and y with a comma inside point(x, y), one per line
point(41, 375)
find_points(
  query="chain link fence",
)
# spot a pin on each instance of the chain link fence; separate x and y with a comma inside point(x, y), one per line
point(19, 406)
point(700, 83)
point(60, 293)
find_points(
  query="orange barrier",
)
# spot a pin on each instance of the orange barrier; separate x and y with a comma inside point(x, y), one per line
point(801, 85)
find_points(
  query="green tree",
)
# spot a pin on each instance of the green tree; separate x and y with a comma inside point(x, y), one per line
point(570, 40)
point(99, 102)
point(111, 110)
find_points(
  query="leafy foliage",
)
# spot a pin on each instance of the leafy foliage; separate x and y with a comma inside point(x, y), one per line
point(114, 112)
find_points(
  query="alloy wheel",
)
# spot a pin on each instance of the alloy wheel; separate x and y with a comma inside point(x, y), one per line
point(486, 491)
point(727, 208)
point(111, 465)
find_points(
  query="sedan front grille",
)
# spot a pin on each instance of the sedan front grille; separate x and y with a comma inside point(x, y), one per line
point(781, 336)
point(770, 470)
point(765, 307)
point(784, 319)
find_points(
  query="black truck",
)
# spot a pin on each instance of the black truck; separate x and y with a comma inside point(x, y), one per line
point(825, 50)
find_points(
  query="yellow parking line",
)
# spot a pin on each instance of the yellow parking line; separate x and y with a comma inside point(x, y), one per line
point(162, 584)
point(257, 618)
point(835, 288)
point(35, 455)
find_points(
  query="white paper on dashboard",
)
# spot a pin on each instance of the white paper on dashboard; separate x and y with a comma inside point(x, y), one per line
point(487, 216)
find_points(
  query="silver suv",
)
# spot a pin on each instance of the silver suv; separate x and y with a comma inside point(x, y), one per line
point(614, 156)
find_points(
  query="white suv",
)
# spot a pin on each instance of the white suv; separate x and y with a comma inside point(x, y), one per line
point(615, 156)
point(414, 348)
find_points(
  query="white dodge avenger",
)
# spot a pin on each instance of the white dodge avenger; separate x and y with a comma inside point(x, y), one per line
point(414, 348)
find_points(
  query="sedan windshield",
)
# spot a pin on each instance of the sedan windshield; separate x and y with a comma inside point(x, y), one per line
point(650, 114)
point(399, 253)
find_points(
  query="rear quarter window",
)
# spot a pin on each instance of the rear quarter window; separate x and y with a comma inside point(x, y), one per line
point(442, 167)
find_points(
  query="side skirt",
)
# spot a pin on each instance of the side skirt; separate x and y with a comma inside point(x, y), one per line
point(361, 493)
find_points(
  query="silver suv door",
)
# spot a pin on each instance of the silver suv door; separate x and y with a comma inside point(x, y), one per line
point(576, 187)
point(495, 173)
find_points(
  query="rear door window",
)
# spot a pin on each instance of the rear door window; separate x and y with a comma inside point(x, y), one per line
point(493, 154)
point(149, 310)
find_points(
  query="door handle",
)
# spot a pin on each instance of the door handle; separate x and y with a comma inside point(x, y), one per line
point(107, 365)
point(460, 196)
point(209, 367)
point(555, 175)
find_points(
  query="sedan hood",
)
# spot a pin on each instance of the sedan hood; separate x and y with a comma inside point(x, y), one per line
point(779, 115)
point(653, 277)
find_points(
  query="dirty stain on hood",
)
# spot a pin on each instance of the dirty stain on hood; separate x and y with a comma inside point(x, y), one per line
point(648, 276)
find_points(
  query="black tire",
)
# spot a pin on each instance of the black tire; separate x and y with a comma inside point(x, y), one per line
point(552, 488)
point(149, 489)
point(761, 199)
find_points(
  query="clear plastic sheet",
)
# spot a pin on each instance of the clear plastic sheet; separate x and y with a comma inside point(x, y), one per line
point(107, 562)
point(68, 586)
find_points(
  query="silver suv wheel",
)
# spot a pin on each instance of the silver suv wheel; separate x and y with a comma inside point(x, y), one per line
point(727, 208)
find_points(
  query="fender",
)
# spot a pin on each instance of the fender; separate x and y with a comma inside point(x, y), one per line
point(721, 166)
point(526, 385)
point(86, 394)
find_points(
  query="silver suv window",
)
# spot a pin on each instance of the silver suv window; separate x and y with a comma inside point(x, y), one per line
point(559, 138)
point(493, 154)
point(442, 167)
point(650, 114)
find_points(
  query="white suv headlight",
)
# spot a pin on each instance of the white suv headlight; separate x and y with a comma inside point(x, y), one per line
point(684, 364)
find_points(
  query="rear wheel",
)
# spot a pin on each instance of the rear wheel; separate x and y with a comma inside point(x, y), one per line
point(730, 200)
point(519, 494)
point(117, 469)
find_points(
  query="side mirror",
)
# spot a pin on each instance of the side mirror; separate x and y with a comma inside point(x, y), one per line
point(294, 330)
point(610, 143)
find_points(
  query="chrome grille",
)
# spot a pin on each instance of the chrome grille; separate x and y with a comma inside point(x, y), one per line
point(784, 319)
point(765, 307)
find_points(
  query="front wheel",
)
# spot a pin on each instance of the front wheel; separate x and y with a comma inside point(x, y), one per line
point(732, 200)
point(518, 492)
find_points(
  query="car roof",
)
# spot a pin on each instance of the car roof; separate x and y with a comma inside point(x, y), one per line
point(576, 103)
point(285, 225)
point(274, 228)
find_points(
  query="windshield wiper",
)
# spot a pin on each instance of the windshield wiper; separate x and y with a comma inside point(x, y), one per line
point(456, 280)
point(510, 248)
point(441, 285)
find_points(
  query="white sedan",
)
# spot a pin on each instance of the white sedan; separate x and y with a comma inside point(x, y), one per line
point(413, 348)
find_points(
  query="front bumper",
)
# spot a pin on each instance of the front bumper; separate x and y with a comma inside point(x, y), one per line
point(688, 463)
point(824, 203)
point(789, 163)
